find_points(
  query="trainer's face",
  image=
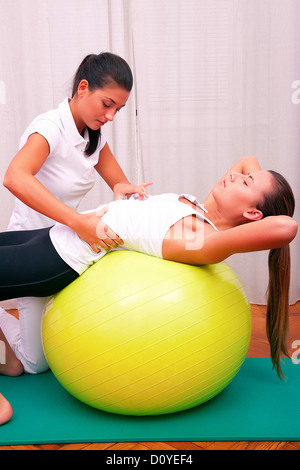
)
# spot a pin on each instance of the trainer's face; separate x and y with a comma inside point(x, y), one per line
point(95, 108)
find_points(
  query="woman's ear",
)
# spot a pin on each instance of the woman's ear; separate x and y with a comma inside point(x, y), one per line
point(253, 214)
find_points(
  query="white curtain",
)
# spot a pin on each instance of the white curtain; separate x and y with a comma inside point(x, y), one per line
point(42, 44)
point(214, 80)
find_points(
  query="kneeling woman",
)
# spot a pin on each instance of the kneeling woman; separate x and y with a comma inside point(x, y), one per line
point(173, 227)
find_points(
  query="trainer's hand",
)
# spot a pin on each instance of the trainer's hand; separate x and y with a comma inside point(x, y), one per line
point(92, 230)
point(107, 238)
point(125, 190)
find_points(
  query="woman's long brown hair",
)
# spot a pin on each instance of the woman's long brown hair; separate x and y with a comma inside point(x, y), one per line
point(280, 202)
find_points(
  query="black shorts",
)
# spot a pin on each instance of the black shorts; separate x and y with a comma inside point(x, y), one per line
point(30, 266)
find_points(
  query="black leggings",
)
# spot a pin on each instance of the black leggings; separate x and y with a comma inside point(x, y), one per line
point(30, 266)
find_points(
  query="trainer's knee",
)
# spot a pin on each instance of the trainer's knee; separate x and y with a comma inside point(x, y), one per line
point(15, 368)
point(36, 367)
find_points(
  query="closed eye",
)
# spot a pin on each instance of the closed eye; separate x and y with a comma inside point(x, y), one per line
point(251, 178)
point(109, 106)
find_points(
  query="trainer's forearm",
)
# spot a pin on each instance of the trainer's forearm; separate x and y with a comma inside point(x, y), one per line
point(109, 169)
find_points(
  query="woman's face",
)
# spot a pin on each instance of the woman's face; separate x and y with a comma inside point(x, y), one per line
point(240, 193)
point(96, 108)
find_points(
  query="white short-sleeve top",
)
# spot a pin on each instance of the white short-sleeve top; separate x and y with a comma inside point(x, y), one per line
point(67, 173)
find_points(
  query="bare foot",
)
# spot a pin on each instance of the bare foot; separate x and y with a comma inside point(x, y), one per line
point(6, 410)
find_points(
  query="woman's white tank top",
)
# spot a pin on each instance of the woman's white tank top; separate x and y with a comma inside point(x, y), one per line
point(142, 225)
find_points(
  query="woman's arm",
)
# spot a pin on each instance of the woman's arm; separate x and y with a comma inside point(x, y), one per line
point(214, 247)
point(265, 234)
point(245, 166)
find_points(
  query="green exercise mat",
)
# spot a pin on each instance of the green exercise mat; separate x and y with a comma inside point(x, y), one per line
point(255, 406)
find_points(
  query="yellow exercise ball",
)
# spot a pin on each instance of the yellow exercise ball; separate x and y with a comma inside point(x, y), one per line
point(138, 335)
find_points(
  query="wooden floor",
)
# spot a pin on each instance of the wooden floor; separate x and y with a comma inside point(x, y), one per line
point(258, 348)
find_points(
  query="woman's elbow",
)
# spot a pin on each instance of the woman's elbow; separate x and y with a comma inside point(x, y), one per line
point(293, 229)
point(210, 257)
point(289, 229)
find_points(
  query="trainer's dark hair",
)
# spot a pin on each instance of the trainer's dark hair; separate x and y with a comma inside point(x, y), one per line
point(100, 71)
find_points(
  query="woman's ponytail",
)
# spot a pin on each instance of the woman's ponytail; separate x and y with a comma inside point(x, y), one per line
point(280, 202)
point(277, 324)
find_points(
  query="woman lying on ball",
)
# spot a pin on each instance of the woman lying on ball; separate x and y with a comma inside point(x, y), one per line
point(173, 227)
